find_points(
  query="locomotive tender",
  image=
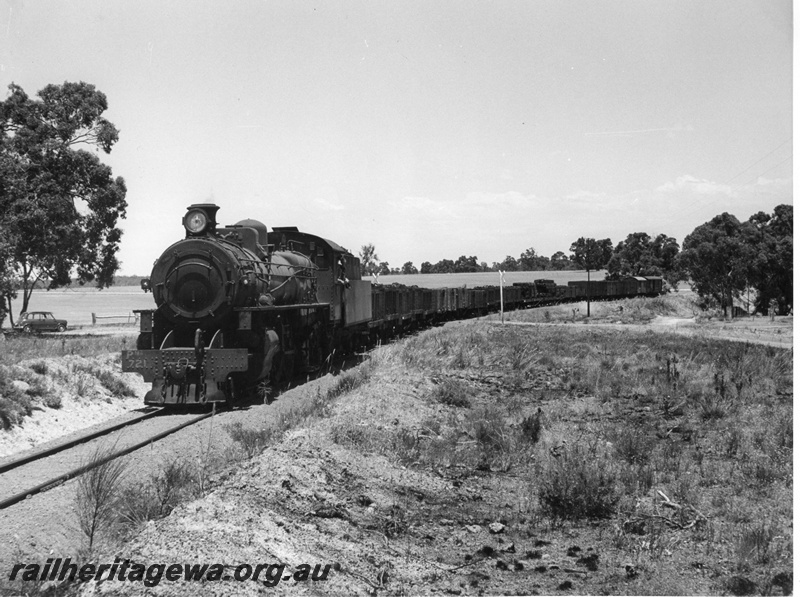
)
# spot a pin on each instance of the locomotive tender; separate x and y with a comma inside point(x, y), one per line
point(240, 309)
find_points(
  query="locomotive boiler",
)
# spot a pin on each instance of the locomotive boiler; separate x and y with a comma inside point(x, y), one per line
point(239, 309)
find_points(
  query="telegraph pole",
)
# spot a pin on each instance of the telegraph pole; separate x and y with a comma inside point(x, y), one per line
point(588, 286)
point(502, 307)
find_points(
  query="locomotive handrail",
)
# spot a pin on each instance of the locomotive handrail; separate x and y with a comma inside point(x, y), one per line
point(282, 307)
point(282, 284)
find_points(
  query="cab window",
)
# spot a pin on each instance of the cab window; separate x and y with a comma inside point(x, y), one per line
point(321, 259)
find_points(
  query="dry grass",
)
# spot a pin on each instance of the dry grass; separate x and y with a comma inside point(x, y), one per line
point(17, 348)
point(666, 439)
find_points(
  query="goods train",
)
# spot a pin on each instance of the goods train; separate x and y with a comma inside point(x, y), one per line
point(239, 309)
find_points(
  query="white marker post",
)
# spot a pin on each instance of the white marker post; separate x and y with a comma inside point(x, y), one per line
point(502, 311)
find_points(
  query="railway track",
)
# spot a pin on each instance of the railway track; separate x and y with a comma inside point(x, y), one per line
point(47, 469)
point(7, 466)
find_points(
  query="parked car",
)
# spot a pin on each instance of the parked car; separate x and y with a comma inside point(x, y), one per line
point(40, 321)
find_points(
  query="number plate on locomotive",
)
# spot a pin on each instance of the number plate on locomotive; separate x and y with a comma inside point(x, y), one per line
point(138, 360)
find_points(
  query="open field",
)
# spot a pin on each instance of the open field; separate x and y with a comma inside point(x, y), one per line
point(76, 305)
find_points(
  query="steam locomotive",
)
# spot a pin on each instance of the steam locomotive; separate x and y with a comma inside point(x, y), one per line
point(239, 309)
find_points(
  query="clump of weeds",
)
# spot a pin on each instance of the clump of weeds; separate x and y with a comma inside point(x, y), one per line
point(452, 392)
point(578, 480)
point(251, 441)
point(173, 483)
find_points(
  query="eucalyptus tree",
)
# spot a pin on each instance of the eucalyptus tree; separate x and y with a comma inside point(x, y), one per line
point(59, 204)
point(716, 260)
point(369, 260)
point(641, 255)
point(589, 254)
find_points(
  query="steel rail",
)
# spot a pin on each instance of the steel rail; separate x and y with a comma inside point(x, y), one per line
point(71, 443)
point(5, 503)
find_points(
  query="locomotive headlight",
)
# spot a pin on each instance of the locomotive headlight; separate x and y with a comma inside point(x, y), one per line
point(195, 221)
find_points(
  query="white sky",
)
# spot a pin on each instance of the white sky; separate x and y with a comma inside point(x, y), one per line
point(430, 128)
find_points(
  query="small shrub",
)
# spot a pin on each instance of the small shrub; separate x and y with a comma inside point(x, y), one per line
point(39, 367)
point(349, 381)
point(632, 444)
point(52, 401)
point(734, 441)
point(669, 457)
point(753, 544)
point(14, 405)
point(251, 441)
point(490, 430)
point(638, 479)
point(406, 445)
point(522, 356)
point(350, 434)
point(394, 522)
point(37, 387)
point(578, 482)
point(495, 444)
point(461, 359)
point(114, 384)
point(173, 483)
point(11, 412)
point(714, 405)
point(139, 505)
point(531, 428)
point(97, 495)
point(452, 392)
point(82, 384)
point(762, 471)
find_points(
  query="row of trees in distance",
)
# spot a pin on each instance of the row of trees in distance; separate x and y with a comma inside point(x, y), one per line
point(722, 259)
point(528, 261)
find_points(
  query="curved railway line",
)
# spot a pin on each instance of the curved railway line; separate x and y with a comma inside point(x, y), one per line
point(38, 472)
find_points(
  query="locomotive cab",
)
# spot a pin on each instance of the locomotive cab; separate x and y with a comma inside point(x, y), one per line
point(339, 280)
